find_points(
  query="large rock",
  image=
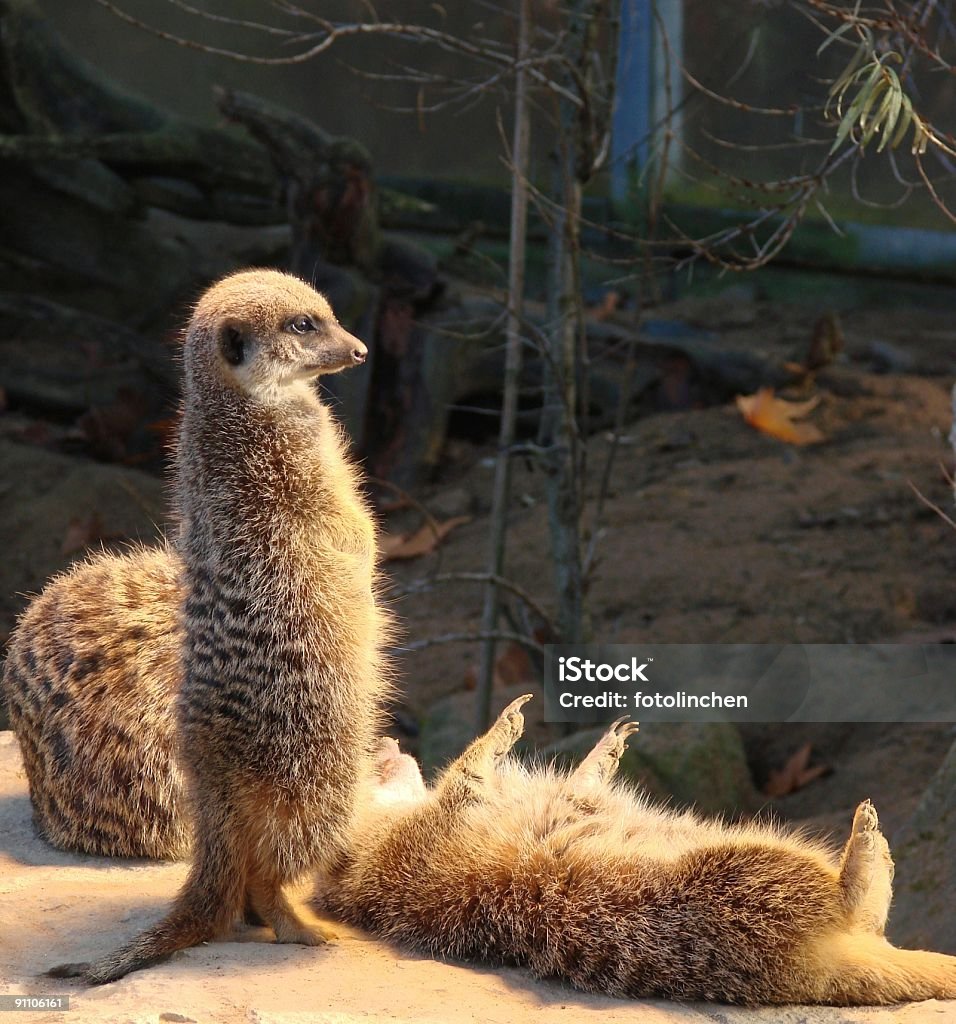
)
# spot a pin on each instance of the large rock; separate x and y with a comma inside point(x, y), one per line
point(692, 764)
point(925, 852)
point(65, 361)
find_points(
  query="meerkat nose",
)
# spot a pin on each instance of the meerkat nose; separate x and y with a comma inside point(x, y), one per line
point(359, 354)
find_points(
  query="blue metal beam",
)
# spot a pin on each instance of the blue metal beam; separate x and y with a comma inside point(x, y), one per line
point(631, 122)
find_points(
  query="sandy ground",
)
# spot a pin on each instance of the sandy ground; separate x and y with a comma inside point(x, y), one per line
point(56, 907)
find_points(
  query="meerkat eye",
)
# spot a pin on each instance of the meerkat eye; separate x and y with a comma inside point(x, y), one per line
point(301, 324)
point(233, 346)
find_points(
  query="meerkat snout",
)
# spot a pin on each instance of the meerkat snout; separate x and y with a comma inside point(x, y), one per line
point(330, 349)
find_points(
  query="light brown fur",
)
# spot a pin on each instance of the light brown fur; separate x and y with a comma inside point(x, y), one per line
point(283, 637)
point(583, 880)
point(91, 673)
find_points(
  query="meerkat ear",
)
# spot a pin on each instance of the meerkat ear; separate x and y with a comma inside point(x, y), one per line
point(233, 345)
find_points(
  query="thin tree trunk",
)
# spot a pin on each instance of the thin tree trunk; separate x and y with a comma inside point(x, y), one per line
point(560, 433)
point(509, 405)
point(561, 438)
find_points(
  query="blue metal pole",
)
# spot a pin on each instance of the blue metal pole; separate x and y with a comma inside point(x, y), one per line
point(631, 122)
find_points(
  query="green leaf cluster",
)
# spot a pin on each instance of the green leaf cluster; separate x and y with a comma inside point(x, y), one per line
point(869, 100)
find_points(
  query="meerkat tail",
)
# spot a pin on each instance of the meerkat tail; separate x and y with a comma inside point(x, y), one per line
point(182, 928)
point(207, 906)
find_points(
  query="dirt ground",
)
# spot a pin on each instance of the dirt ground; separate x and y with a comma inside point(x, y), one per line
point(714, 532)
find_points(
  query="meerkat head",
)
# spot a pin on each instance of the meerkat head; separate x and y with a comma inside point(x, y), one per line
point(264, 332)
point(398, 779)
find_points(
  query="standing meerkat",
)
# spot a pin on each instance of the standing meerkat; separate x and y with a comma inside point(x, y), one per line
point(91, 675)
point(282, 657)
point(585, 881)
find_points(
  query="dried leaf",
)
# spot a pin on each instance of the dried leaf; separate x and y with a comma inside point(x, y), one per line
point(36, 432)
point(609, 304)
point(395, 547)
point(512, 666)
point(795, 774)
point(776, 417)
point(826, 342)
point(395, 505)
point(82, 533)
point(166, 428)
point(107, 428)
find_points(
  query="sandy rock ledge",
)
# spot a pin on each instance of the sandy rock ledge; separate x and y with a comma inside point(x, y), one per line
point(56, 907)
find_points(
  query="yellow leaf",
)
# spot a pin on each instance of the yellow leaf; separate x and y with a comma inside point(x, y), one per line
point(795, 774)
point(776, 417)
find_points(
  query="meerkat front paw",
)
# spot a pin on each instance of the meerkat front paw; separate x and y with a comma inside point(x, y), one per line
point(387, 750)
point(398, 775)
point(602, 762)
point(865, 819)
point(509, 727)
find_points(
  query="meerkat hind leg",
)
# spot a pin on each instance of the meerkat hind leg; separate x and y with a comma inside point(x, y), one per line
point(866, 872)
point(860, 969)
point(507, 729)
point(274, 908)
point(504, 733)
point(250, 915)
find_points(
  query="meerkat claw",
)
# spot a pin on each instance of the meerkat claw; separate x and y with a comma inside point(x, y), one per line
point(518, 703)
point(623, 727)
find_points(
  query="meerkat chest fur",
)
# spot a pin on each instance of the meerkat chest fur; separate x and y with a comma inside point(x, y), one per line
point(282, 631)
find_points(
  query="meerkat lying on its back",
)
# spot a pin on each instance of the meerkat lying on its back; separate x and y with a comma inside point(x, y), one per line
point(584, 880)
